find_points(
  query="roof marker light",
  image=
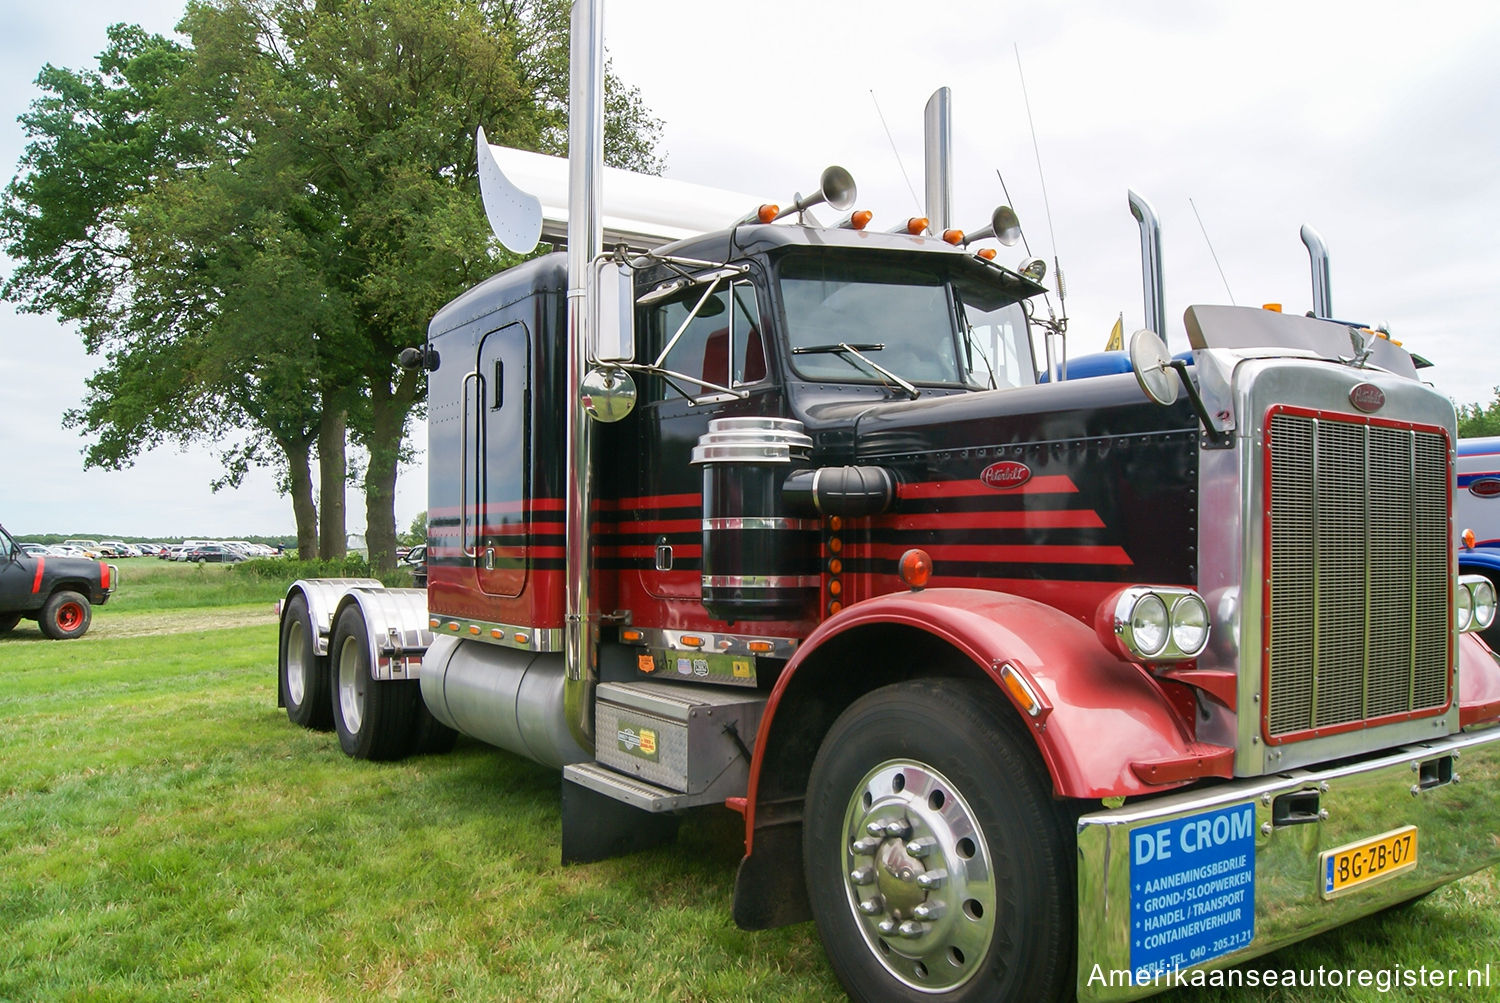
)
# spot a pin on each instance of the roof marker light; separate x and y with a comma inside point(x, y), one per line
point(987, 253)
point(954, 237)
point(767, 213)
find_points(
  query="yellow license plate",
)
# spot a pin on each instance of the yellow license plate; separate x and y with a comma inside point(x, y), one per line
point(1349, 867)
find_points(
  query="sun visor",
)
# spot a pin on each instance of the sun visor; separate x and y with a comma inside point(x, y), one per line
point(526, 198)
point(1240, 327)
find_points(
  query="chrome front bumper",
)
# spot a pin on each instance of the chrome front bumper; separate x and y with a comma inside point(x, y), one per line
point(1206, 878)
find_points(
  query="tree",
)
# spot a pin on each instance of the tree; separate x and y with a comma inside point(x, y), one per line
point(416, 533)
point(299, 199)
point(1474, 420)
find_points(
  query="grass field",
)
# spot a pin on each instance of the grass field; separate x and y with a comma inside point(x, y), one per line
point(166, 834)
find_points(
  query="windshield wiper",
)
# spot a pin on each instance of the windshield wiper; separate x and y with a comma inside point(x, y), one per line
point(844, 348)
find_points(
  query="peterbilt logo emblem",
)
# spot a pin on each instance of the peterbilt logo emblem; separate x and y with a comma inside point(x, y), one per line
point(1367, 397)
point(1485, 487)
point(1005, 475)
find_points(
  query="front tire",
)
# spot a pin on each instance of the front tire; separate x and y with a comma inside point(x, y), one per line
point(304, 679)
point(374, 720)
point(937, 862)
point(65, 616)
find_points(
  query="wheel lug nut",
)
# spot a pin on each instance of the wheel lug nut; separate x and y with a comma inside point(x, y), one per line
point(899, 829)
point(932, 879)
point(865, 847)
point(910, 929)
point(886, 926)
point(928, 910)
point(862, 875)
point(920, 848)
point(875, 828)
point(872, 907)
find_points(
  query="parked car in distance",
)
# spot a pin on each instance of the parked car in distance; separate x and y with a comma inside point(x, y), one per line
point(416, 560)
point(88, 548)
point(214, 553)
point(37, 549)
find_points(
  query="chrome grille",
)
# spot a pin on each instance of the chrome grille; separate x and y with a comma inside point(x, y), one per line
point(1357, 608)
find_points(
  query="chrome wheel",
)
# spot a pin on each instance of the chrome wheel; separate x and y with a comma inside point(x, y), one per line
point(918, 876)
point(296, 669)
point(351, 681)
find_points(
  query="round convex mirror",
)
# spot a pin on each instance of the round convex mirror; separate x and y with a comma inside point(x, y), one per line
point(1153, 366)
point(608, 393)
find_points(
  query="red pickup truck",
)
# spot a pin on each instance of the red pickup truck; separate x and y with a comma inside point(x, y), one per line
point(56, 592)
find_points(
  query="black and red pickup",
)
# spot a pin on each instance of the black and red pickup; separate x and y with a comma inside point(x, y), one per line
point(56, 592)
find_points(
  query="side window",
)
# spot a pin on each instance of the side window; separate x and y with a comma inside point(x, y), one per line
point(999, 347)
point(717, 348)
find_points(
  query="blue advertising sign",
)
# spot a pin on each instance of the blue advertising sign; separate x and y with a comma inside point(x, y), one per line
point(1192, 889)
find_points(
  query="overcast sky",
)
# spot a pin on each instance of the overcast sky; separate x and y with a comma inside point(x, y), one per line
point(1377, 124)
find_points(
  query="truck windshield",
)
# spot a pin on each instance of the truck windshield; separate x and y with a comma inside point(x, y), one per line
point(903, 317)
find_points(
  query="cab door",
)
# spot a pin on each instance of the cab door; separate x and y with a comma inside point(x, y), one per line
point(498, 524)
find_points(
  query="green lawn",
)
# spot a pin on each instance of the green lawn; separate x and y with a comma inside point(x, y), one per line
point(166, 834)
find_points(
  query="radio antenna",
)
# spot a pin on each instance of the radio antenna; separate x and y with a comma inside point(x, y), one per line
point(1062, 296)
point(897, 153)
point(1210, 244)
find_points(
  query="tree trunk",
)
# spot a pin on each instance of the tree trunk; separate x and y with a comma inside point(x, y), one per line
point(333, 536)
point(387, 423)
point(300, 487)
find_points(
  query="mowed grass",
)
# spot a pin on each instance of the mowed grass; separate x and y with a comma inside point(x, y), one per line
point(166, 834)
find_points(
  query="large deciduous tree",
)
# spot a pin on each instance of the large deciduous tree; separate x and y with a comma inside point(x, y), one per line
point(250, 227)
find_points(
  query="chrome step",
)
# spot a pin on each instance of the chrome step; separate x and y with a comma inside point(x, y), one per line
point(638, 794)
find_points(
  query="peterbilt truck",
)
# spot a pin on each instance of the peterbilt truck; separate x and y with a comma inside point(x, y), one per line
point(1027, 683)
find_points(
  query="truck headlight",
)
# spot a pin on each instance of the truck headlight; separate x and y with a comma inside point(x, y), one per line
point(1154, 623)
point(1474, 602)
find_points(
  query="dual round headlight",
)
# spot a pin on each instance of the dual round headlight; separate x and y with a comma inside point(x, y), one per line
point(1474, 602)
point(1161, 624)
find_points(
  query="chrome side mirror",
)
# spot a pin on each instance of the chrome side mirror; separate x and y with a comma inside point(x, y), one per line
point(613, 301)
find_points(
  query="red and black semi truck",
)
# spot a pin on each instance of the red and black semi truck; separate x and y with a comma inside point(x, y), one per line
point(1020, 682)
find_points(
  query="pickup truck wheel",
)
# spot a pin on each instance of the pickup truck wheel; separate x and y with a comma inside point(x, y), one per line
point(8, 622)
point(938, 865)
point(304, 679)
point(66, 615)
point(374, 720)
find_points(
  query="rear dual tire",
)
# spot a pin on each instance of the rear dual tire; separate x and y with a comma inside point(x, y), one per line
point(374, 720)
point(304, 677)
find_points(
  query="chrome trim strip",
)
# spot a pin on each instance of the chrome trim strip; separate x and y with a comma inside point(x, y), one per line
point(545, 639)
point(726, 644)
point(1360, 800)
point(765, 522)
point(761, 581)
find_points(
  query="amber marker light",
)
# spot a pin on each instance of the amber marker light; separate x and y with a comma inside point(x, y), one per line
point(761, 647)
point(632, 636)
point(1273, 307)
point(954, 237)
point(861, 219)
point(692, 641)
point(1469, 539)
point(1021, 690)
point(917, 225)
point(522, 638)
point(916, 569)
point(987, 253)
point(474, 629)
point(768, 213)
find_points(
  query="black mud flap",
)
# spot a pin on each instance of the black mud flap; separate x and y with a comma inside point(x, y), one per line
point(769, 890)
point(597, 827)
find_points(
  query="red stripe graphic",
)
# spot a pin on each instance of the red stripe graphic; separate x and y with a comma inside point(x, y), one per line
point(1027, 553)
point(1060, 519)
point(1053, 484)
point(36, 583)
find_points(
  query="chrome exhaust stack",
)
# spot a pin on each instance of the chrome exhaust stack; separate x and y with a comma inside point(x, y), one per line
point(585, 239)
point(937, 149)
point(1317, 252)
point(1155, 300)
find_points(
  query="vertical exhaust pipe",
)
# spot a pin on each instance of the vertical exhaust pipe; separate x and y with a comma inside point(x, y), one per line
point(585, 239)
point(1156, 301)
point(1317, 252)
point(937, 151)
